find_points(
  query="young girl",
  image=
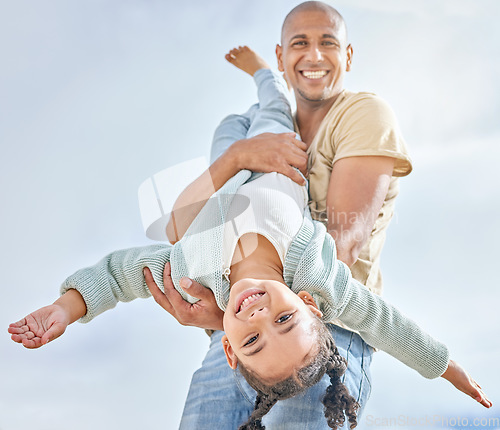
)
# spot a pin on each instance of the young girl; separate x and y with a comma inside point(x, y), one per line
point(272, 269)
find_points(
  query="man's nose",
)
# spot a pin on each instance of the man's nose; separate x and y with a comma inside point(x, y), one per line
point(315, 53)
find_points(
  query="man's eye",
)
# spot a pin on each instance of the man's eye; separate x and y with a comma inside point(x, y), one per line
point(284, 318)
point(251, 340)
point(301, 43)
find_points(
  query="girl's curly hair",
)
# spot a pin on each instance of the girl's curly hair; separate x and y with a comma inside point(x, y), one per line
point(337, 401)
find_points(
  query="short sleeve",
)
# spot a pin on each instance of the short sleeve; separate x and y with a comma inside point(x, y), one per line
point(369, 127)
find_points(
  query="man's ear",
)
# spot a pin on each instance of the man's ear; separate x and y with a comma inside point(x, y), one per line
point(279, 57)
point(232, 360)
point(350, 53)
point(309, 301)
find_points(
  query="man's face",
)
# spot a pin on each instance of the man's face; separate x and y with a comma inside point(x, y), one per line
point(314, 55)
point(269, 328)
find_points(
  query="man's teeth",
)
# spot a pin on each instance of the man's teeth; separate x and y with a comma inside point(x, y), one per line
point(317, 74)
point(249, 300)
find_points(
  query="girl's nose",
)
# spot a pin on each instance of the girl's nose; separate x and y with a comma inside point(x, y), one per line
point(257, 313)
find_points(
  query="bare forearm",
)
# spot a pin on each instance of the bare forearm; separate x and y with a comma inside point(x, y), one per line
point(267, 152)
point(349, 240)
point(357, 190)
point(190, 202)
point(73, 304)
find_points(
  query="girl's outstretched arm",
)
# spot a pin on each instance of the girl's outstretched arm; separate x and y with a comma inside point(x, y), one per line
point(383, 326)
point(50, 322)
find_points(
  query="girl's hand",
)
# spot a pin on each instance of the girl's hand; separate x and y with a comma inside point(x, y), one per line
point(457, 375)
point(40, 327)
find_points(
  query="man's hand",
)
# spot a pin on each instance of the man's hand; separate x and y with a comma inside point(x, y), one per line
point(204, 313)
point(463, 382)
point(269, 152)
point(40, 327)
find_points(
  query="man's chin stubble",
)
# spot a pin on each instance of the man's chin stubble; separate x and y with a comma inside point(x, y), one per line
point(311, 99)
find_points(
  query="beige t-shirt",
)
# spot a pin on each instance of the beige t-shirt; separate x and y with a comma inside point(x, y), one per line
point(358, 124)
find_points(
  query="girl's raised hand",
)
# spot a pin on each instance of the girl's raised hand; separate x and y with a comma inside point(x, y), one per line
point(40, 327)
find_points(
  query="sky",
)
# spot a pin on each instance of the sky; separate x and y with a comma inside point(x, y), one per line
point(97, 96)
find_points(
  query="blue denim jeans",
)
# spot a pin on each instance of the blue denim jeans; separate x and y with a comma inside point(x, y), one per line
point(220, 398)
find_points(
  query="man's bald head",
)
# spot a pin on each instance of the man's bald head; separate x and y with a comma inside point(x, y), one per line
point(314, 54)
point(316, 6)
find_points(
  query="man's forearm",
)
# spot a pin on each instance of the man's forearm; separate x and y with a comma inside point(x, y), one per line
point(349, 242)
point(357, 190)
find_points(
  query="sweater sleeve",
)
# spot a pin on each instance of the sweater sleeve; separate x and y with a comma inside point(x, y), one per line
point(383, 326)
point(118, 277)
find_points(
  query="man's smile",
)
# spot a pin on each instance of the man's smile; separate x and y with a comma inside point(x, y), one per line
point(314, 74)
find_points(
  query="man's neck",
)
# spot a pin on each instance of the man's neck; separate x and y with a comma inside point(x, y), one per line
point(310, 115)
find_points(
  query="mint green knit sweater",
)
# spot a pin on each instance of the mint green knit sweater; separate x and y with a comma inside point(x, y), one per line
point(311, 264)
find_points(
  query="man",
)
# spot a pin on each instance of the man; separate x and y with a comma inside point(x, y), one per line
point(354, 152)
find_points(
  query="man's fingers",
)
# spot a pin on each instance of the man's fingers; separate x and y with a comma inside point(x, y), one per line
point(292, 138)
point(299, 162)
point(151, 284)
point(299, 144)
point(167, 270)
point(197, 290)
point(160, 297)
point(297, 158)
point(175, 299)
point(148, 277)
point(293, 175)
point(297, 153)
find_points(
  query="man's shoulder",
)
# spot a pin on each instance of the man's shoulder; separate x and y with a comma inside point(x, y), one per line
point(361, 99)
point(361, 106)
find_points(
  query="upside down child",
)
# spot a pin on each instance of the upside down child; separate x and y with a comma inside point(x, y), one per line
point(273, 271)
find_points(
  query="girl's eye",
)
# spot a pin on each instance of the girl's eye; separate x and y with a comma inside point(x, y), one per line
point(251, 340)
point(284, 318)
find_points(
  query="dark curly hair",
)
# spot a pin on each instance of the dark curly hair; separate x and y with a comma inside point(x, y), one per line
point(337, 401)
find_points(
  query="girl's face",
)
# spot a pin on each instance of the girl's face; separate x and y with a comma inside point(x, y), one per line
point(269, 328)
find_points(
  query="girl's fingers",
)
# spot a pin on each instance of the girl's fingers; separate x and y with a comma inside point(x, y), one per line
point(16, 330)
point(18, 324)
point(33, 343)
point(17, 338)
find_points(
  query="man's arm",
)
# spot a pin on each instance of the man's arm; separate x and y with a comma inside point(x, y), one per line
point(356, 192)
point(267, 152)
